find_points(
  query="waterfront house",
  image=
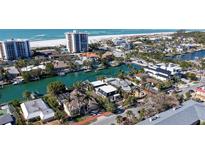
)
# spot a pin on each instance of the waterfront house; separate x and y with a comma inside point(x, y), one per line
point(32, 67)
point(125, 85)
point(79, 104)
point(35, 109)
point(63, 98)
point(188, 113)
point(163, 71)
point(97, 84)
point(13, 71)
point(59, 65)
point(109, 92)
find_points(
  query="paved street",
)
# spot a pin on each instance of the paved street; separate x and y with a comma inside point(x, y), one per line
point(111, 119)
point(192, 86)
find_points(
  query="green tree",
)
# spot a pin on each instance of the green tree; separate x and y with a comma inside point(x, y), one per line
point(15, 103)
point(36, 73)
point(191, 76)
point(188, 95)
point(27, 94)
point(107, 105)
point(129, 101)
point(55, 88)
point(130, 114)
point(4, 74)
point(20, 63)
point(52, 102)
point(110, 43)
point(142, 114)
point(101, 78)
point(50, 69)
point(26, 76)
point(87, 63)
point(119, 119)
point(121, 75)
point(77, 85)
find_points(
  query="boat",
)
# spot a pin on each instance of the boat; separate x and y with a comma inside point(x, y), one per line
point(61, 73)
point(87, 70)
point(17, 82)
point(100, 68)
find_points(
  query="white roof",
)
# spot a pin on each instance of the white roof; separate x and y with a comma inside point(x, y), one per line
point(15, 40)
point(108, 88)
point(12, 70)
point(75, 32)
point(36, 106)
point(32, 67)
point(97, 83)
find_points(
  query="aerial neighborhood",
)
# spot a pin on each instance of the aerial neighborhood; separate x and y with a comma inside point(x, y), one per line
point(146, 79)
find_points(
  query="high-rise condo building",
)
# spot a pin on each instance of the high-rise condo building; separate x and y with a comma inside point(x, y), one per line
point(76, 41)
point(14, 49)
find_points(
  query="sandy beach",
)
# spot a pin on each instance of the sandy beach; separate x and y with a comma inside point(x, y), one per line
point(58, 42)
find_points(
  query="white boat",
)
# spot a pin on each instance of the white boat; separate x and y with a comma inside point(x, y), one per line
point(61, 73)
point(17, 82)
point(88, 70)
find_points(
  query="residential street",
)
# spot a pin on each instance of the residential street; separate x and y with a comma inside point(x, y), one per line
point(192, 86)
point(111, 119)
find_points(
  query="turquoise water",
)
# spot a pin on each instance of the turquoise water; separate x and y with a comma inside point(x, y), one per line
point(47, 34)
point(11, 92)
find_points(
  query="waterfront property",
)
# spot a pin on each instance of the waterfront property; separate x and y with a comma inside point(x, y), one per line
point(125, 85)
point(35, 109)
point(76, 42)
point(188, 113)
point(76, 103)
point(97, 84)
point(108, 91)
point(32, 67)
point(163, 71)
point(14, 49)
point(10, 92)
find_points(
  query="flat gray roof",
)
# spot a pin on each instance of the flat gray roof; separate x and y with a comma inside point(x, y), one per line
point(108, 88)
point(5, 119)
point(97, 83)
point(188, 113)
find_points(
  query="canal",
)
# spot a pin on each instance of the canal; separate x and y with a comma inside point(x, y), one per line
point(189, 56)
point(12, 92)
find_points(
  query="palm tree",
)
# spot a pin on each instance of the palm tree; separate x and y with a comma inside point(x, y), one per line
point(27, 94)
point(121, 75)
point(129, 114)
point(142, 114)
point(101, 78)
point(119, 119)
point(77, 85)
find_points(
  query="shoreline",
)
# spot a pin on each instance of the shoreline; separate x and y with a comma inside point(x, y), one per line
point(56, 76)
point(91, 39)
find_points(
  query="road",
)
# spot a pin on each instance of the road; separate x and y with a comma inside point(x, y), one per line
point(192, 87)
point(109, 120)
